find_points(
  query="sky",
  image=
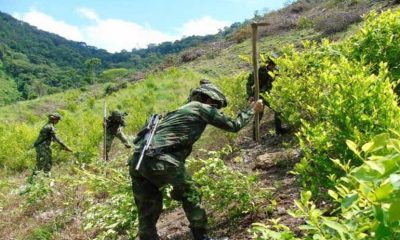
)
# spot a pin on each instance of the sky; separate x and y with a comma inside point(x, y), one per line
point(115, 25)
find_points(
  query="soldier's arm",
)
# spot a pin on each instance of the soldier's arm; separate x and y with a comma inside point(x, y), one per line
point(57, 139)
point(121, 136)
point(212, 116)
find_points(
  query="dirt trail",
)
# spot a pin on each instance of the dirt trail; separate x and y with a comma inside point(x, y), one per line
point(273, 159)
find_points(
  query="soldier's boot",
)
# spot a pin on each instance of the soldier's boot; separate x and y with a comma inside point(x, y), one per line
point(279, 129)
point(200, 234)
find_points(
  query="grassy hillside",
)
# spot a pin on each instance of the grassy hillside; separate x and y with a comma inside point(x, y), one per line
point(42, 63)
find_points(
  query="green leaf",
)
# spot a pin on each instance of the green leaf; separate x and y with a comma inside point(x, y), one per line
point(394, 211)
point(353, 146)
point(348, 200)
point(380, 214)
point(384, 191)
point(339, 228)
point(305, 197)
point(366, 147)
point(380, 141)
point(333, 194)
point(365, 173)
point(377, 166)
point(383, 232)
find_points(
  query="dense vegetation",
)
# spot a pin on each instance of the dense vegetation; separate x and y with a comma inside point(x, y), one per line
point(43, 63)
point(342, 98)
point(102, 190)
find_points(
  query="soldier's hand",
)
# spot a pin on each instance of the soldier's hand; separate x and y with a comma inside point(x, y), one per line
point(258, 106)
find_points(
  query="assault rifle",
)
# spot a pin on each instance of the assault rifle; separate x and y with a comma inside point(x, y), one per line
point(150, 130)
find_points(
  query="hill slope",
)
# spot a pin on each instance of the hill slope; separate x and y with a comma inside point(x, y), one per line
point(43, 63)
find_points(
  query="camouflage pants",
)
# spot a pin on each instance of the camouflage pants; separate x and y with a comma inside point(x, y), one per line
point(43, 159)
point(277, 120)
point(109, 141)
point(146, 183)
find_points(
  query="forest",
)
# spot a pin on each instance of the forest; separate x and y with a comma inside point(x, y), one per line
point(40, 63)
point(334, 175)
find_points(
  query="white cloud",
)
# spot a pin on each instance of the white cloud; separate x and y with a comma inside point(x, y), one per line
point(114, 34)
point(88, 13)
point(48, 23)
point(202, 26)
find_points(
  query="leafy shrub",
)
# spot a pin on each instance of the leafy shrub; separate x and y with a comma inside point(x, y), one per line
point(114, 217)
point(367, 198)
point(226, 190)
point(113, 74)
point(277, 231)
point(111, 88)
point(304, 23)
point(242, 34)
point(233, 89)
point(111, 209)
point(37, 189)
point(16, 140)
point(354, 103)
point(333, 99)
point(378, 41)
point(8, 89)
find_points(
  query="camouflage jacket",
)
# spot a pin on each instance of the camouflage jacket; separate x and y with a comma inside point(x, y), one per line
point(180, 129)
point(47, 135)
point(115, 130)
point(265, 80)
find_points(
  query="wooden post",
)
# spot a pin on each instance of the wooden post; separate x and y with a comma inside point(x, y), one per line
point(254, 27)
point(105, 131)
point(256, 80)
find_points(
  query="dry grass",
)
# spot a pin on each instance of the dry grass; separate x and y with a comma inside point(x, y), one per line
point(325, 16)
point(337, 20)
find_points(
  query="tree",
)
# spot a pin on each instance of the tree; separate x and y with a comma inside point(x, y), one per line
point(91, 65)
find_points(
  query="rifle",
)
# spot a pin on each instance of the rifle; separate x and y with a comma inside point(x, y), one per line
point(105, 131)
point(151, 129)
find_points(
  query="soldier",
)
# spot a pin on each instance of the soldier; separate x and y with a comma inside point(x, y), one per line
point(164, 162)
point(43, 142)
point(265, 80)
point(114, 124)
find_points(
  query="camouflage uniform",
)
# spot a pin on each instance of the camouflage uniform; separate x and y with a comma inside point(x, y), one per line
point(164, 164)
point(115, 123)
point(42, 146)
point(265, 80)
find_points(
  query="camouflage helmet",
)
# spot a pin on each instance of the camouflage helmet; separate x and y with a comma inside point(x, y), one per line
point(204, 81)
point(271, 58)
point(212, 92)
point(118, 114)
point(54, 115)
